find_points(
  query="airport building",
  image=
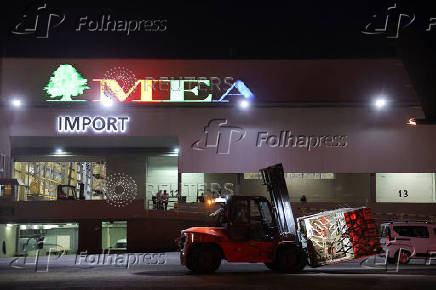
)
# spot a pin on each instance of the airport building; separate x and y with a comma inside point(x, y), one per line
point(86, 144)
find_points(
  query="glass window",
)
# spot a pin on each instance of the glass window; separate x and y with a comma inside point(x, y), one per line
point(385, 231)
point(114, 235)
point(254, 211)
point(404, 187)
point(44, 180)
point(240, 212)
point(45, 238)
point(162, 175)
point(412, 231)
point(266, 213)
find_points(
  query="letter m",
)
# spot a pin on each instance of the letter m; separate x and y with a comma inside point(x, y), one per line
point(116, 89)
point(72, 126)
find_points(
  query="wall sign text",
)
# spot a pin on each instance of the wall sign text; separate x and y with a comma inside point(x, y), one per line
point(122, 86)
point(98, 124)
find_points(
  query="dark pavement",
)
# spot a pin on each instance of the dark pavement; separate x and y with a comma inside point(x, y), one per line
point(164, 272)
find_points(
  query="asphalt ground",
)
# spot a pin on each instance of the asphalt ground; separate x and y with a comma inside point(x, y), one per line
point(163, 271)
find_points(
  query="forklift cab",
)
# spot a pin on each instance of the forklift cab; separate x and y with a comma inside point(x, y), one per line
point(249, 218)
point(66, 192)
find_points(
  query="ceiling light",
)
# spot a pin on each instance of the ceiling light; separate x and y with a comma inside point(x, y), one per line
point(107, 102)
point(59, 151)
point(244, 104)
point(380, 103)
point(16, 103)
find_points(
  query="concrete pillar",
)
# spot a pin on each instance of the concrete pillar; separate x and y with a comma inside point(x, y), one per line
point(372, 188)
point(8, 240)
point(90, 236)
point(239, 178)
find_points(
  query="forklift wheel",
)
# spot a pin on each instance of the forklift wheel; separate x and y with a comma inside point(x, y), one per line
point(272, 266)
point(204, 259)
point(291, 260)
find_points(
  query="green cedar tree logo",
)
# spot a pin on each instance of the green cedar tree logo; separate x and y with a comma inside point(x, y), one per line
point(65, 83)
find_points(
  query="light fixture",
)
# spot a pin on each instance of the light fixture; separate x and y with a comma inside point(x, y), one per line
point(107, 102)
point(16, 103)
point(210, 202)
point(59, 151)
point(414, 122)
point(411, 122)
point(380, 102)
point(220, 199)
point(176, 150)
point(244, 104)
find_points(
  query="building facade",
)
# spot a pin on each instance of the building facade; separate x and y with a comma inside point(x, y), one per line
point(119, 131)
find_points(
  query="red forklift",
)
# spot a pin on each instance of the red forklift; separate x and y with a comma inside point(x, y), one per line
point(249, 229)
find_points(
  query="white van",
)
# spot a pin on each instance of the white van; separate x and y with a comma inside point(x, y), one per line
point(403, 241)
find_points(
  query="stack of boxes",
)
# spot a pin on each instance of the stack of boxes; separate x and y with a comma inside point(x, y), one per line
point(98, 180)
point(339, 235)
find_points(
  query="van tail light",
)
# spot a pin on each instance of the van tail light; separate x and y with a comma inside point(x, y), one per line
point(388, 238)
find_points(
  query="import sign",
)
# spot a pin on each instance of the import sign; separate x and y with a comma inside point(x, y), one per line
point(98, 124)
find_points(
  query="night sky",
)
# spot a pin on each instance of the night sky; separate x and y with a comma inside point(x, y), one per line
point(215, 29)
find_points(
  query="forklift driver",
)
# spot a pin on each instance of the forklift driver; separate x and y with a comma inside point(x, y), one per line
point(242, 214)
point(239, 226)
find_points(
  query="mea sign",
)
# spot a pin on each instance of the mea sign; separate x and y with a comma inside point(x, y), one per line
point(99, 124)
point(67, 82)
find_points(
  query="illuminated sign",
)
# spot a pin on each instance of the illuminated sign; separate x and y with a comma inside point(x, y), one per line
point(65, 83)
point(122, 86)
point(175, 89)
point(98, 124)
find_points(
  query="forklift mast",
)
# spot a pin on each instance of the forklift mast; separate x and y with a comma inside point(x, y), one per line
point(273, 178)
